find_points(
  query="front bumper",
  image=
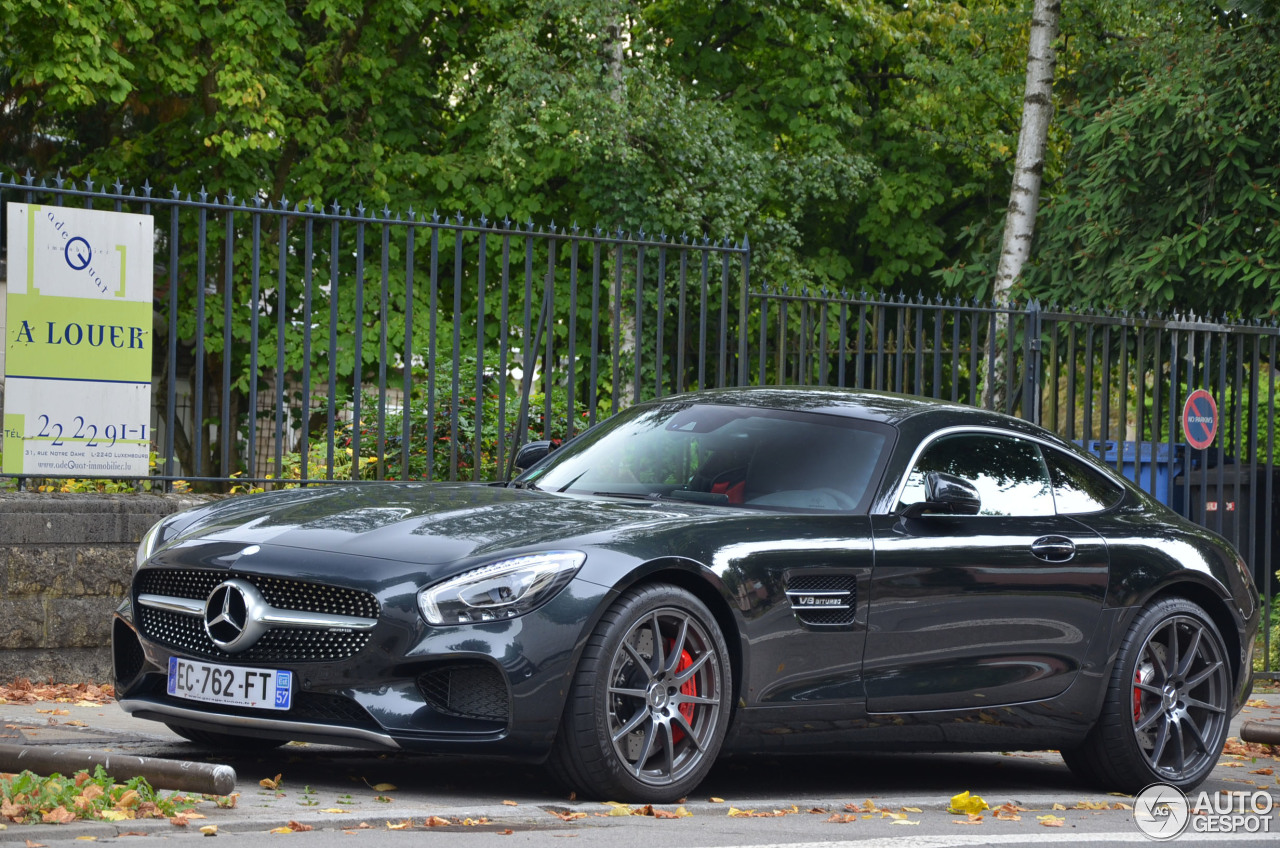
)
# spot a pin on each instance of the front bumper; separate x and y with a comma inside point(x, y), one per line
point(497, 688)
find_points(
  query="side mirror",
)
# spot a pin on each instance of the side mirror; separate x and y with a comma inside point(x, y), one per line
point(946, 494)
point(529, 454)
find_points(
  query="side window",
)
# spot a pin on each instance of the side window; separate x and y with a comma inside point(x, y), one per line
point(1010, 473)
point(1077, 488)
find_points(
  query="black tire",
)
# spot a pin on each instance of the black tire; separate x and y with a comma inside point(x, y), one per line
point(231, 741)
point(646, 716)
point(1167, 707)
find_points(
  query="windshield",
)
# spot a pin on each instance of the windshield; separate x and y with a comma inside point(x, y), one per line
point(733, 455)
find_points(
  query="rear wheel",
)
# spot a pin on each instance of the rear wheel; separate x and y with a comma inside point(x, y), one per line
point(1168, 705)
point(650, 701)
point(232, 741)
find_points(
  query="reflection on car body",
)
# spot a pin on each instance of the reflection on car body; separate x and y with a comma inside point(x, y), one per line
point(742, 569)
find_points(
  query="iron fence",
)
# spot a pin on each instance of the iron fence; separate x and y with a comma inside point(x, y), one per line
point(302, 345)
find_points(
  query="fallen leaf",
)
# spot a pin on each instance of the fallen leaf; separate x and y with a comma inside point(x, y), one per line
point(1263, 771)
point(965, 803)
point(404, 825)
point(384, 787)
point(1092, 805)
point(436, 821)
point(271, 783)
point(1051, 820)
point(115, 815)
point(903, 821)
point(510, 804)
point(209, 830)
point(1058, 807)
point(567, 816)
point(179, 821)
point(281, 830)
point(1256, 702)
point(715, 800)
point(506, 832)
point(31, 844)
point(333, 810)
point(912, 810)
point(624, 810)
point(58, 815)
point(94, 838)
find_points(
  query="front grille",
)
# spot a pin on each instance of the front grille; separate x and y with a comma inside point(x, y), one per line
point(280, 593)
point(466, 690)
point(807, 593)
point(281, 644)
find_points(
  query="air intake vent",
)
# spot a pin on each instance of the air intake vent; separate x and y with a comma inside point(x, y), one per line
point(822, 600)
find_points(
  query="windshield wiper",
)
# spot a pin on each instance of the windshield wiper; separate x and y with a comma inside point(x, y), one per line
point(635, 496)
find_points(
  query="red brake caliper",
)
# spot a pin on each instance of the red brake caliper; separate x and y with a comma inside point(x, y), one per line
point(1137, 696)
point(690, 688)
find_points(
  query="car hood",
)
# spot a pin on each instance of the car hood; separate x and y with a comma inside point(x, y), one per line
point(422, 523)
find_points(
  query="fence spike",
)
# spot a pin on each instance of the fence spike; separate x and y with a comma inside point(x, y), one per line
point(745, 244)
point(59, 180)
point(29, 177)
point(88, 183)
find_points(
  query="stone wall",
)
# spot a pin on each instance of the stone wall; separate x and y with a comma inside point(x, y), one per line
point(65, 564)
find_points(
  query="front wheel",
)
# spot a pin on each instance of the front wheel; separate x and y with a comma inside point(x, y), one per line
point(1168, 705)
point(650, 701)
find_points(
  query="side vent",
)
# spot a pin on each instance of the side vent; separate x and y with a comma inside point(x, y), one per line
point(823, 601)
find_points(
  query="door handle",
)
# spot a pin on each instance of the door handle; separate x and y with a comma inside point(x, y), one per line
point(1053, 548)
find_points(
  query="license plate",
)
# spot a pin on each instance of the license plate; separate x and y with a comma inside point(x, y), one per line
point(261, 688)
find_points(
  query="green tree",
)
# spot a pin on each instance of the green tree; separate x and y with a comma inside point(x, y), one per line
point(1169, 197)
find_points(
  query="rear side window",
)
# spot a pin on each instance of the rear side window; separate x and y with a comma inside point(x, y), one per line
point(1077, 488)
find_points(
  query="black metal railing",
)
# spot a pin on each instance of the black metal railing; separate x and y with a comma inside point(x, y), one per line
point(300, 345)
point(306, 344)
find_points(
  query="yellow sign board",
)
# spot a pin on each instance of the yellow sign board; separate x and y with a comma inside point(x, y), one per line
point(78, 343)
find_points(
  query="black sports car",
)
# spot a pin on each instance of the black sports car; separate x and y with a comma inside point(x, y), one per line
point(743, 569)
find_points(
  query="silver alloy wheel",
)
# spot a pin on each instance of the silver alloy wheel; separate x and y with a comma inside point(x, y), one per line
point(665, 686)
point(1181, 694)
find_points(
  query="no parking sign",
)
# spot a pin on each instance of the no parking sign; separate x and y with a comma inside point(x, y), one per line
point(1200, 419)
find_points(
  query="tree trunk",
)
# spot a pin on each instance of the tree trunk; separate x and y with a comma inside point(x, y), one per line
point(1024, 196)
point(1037, 112)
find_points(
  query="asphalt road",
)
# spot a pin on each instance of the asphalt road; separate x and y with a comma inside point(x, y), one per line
point(873, 800)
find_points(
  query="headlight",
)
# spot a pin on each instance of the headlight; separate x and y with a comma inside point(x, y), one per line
point(148, 544)
point(502, 590)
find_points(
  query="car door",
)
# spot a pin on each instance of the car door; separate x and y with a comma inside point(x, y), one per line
point(980, 610)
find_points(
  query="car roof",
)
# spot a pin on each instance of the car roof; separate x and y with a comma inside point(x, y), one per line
point(884, 407)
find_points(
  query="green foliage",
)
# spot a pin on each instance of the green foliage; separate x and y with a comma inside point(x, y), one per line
point(442, 446)
point(30, 798)
point(1170, 199)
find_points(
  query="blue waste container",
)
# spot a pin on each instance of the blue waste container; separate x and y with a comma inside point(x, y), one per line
point(1135, 463)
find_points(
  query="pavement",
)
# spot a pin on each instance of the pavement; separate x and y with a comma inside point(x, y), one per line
point(332, 788)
